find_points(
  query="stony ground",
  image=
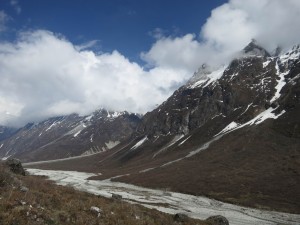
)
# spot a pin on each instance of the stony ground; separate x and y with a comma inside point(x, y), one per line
point(35, 201)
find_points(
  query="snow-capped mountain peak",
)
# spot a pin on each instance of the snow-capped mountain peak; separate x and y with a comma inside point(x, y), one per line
point(67, 136)
point(254, 49)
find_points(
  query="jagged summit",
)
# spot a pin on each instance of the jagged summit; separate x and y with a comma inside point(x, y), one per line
point(254, 49)
point(277, 51)
point(67, 136)
point(201, 73)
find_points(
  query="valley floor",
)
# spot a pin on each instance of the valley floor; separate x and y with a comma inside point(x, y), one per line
point(169, 202)
point(32, 200)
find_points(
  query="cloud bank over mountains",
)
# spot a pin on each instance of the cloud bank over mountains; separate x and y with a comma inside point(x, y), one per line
point(42, 74)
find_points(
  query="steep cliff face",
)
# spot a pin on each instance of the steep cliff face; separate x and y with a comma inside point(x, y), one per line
point(247, 83)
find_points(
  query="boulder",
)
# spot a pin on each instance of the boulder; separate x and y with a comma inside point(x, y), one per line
point(116, 197)
point(97, 211)
point(217, 220)
point(24, 189)
point(15, 166)
point(180, 217)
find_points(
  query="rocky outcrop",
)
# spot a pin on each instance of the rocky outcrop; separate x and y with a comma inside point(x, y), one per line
point(180, 217)
point(217, 220)
point(96, 210)
point(254, 49)
point(116, 197)
point(15, 166)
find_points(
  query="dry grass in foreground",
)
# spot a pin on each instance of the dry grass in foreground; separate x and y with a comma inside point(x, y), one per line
point(47, 203)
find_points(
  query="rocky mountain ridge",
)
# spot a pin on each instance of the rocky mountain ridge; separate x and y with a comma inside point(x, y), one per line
point(250, 84)
point(71, 135)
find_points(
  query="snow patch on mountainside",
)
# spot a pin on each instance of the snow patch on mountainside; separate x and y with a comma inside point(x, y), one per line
point(203, 147)
point(114, 115)
point(76, 134)
point(280, 83)
point(184, 140)
point(77, 130)
point(88, 118)
point(267, 114)
point(172, 142)
point(139, 143)
point(214, 76)
point(93, 150)
point(266, 63)
point(247, 109)
point(233, 76)
point(229, 127)
point(293, 54)
point(146, 170)
point(112, 144)
point(194, 152)
point(52, 125)
point(198, 83)
point(292, 81)
point(207, 79)
point(5, 158)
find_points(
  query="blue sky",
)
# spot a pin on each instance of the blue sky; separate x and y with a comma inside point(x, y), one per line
point(125, 25)
point(74, 56)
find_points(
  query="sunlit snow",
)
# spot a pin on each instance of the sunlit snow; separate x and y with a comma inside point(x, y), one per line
point(266, 63)
point(229, 127)
point(209, 78)
point(112, 144)
point(139, 143)
point(172, 142)
point(184, 140)
point(52, 125)
point(280, 83)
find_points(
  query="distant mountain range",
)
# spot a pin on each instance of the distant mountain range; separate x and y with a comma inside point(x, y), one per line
point(68, 136)
point(231, 133)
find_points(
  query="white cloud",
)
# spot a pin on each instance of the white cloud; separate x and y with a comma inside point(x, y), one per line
point(43, 74)
point(271, 22)
point(228, 30)
point(177, 53)
point(226, 27)
point(87, 45)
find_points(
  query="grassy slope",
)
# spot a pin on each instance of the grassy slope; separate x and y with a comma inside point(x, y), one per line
point(257, 167)
point(47, 203)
